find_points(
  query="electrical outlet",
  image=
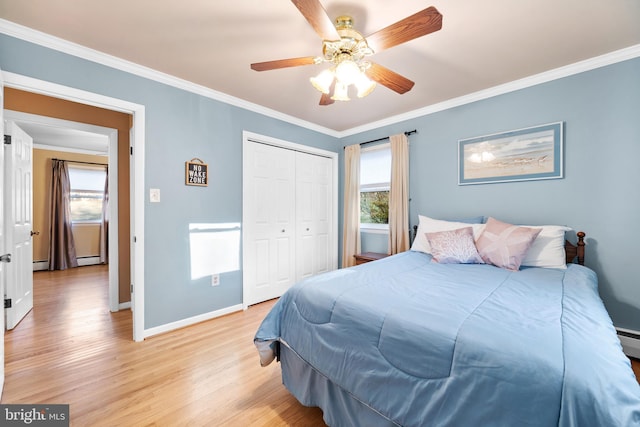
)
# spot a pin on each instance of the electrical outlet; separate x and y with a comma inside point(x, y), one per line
point(215, 280)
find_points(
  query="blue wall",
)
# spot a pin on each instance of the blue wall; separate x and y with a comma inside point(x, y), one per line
point(180, 125)
point(599, 195)
point(600, 110)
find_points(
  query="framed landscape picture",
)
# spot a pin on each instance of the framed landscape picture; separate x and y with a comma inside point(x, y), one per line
point(519, 155)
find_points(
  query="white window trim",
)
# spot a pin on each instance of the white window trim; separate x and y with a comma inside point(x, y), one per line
point(371, 228)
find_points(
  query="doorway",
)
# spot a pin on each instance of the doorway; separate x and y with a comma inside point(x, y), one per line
point(134, 131)
point(71, 140)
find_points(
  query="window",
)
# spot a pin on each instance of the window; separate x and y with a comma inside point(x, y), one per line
point(375, 177)
point(87, 192)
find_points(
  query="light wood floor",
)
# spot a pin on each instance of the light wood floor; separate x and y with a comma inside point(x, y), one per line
point(71, 349)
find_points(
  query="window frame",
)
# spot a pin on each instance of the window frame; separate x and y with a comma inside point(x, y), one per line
point(369, 227)
point(92, 167)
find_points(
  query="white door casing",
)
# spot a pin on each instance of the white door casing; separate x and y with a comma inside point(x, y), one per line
point(312, 246)
point(18, 215)
point(2, 239)
point(29, 84)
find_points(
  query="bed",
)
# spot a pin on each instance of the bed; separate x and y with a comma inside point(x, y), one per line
point(417, 339)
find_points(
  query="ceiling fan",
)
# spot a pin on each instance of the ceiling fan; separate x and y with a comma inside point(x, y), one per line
point(346, 49)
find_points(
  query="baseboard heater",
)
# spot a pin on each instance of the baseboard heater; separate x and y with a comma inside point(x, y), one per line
point(82, 261)
point(630, 341)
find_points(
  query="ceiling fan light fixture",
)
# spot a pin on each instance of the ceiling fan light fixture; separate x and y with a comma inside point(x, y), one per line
point(347, 72)
point(340, 92)
point(323, 81)
point(364, 85)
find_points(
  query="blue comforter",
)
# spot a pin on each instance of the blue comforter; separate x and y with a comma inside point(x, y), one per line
point(461, 345)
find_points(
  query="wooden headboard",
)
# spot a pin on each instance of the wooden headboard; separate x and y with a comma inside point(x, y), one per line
point(573, 252)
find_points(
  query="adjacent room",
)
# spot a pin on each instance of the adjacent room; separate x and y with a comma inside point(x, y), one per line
point(318, 212)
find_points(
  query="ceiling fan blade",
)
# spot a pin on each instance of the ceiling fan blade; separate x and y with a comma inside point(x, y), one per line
point(325, 99)
point(388, 78)
point(283, 63)
point(315, 14)
point(414, 26)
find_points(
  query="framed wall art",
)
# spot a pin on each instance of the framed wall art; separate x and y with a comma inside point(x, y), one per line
point(519, 155)
point(196, 173)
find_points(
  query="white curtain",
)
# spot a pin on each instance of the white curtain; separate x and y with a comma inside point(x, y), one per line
point(351, 219)
point(399, 195)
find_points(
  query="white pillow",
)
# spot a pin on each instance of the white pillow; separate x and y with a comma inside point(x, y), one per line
point(547, 250)
point(430, 225)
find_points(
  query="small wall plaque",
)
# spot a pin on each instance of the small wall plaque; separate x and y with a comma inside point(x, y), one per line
point(196, 173)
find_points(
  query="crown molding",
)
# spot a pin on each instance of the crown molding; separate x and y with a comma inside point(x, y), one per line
point(547, 76)
point(64, 46)
point(46, 40)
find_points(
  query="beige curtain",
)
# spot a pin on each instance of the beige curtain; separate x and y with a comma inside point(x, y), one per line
point(62, 249)
point(351, 220)
point(104, 225)
point(399, 195)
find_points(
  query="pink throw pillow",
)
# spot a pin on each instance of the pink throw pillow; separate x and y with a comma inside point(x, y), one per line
point(454, 246)
point(505, 245)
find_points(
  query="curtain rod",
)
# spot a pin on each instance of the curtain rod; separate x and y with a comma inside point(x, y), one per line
point(84, 163)
point(409, 132)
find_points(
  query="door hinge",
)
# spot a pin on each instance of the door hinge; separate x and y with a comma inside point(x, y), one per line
point(132, 288)
point(131, 150)
point(7, 303)
point(7, 139)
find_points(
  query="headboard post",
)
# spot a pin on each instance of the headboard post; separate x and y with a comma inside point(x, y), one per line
point(575, 252)
point(580, 245)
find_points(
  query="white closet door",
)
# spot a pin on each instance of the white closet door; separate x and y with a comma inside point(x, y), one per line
point(314, 183)
point(269, 221)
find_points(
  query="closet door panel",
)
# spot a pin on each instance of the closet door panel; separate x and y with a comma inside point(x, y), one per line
point(313, 214)
point(269, 216)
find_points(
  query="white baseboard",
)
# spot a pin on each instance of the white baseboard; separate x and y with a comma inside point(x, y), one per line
point(630, 341)
point(191, 321)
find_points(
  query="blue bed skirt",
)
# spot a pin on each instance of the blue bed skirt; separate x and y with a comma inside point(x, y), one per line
point(313, 389)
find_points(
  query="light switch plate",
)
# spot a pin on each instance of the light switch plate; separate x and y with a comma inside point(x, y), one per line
point(154, 195)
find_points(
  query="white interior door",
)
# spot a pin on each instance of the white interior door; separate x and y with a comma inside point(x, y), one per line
point(18, 218)
point(314, 183)
point(2, 239)
point(269, 227)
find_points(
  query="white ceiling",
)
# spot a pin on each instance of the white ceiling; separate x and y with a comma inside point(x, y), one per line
point(63, 135)
point(66, 138)
point(482, 44)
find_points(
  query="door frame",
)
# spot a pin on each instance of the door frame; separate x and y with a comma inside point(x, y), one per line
point(137, 162)
point(248, 137)
point(112, 155)
point(2, 238)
